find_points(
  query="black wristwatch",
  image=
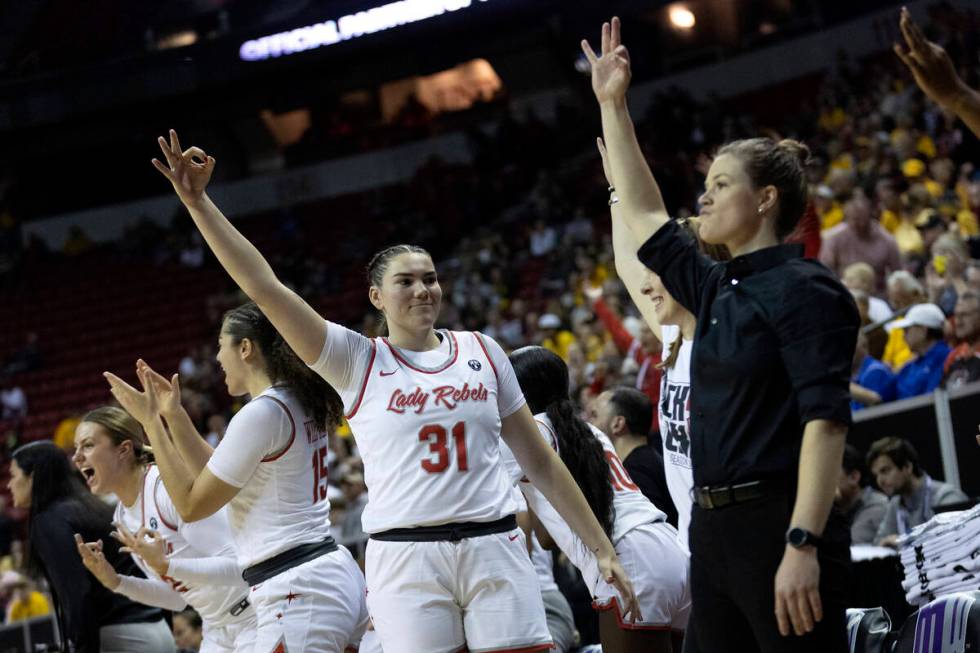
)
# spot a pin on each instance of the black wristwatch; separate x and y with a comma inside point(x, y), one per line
point(798, 538)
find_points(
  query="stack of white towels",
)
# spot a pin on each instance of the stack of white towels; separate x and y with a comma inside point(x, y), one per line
point(942, 556)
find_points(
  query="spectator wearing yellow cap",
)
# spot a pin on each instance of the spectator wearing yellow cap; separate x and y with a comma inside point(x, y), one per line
point(895, 216)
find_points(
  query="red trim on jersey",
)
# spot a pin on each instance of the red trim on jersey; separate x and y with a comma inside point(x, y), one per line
point(404, 362)
point(525, 649)
point(614, 604)
point(292, 436)
point(157, 506)
point(486, 353)
point(367, 375)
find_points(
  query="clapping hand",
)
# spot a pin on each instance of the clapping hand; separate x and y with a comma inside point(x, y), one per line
point(929, 64)
point(610, 71)
point(188, 170)
point(168, 392)
point(144, 406)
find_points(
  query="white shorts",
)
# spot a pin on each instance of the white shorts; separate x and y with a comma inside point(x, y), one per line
point(316, 607)
point(658, 566)
point(480, 593)
point(237, 637)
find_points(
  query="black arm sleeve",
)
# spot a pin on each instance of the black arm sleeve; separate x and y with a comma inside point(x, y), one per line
point(69, 580)
point(675, 257)
point(817, 327)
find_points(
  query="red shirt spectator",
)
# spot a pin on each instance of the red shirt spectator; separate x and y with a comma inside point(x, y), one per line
point(645, 351)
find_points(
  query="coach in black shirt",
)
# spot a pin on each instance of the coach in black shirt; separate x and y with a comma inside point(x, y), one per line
point(769, 385)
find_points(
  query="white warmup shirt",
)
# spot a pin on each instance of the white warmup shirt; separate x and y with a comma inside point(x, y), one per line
point(675, 429)
point(209, 539)
point(427, 425)
point(277, 455)
point(632, 508)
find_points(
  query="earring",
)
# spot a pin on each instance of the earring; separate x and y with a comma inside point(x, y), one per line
point(760, 209)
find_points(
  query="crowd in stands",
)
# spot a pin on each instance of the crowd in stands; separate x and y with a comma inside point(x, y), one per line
point(523, 242)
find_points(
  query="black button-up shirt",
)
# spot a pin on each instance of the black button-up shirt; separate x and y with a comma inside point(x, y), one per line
point(772, 351)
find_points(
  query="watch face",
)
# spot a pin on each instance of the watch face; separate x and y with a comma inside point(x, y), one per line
point(797, 536)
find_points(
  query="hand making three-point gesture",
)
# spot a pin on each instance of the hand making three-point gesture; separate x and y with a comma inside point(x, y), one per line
point(188, 170)
point(611, 70)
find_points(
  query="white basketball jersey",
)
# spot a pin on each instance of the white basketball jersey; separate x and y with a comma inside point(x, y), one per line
point(632, 508)
point(430, 438)
point(155, 510)
point(675, 432)
point(284, 503)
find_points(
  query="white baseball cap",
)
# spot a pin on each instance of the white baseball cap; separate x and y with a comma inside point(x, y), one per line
point(926, 315)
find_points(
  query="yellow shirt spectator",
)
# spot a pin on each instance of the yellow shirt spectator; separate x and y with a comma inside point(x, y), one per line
point(967, 222)
point(897, 352)
point(832, 217)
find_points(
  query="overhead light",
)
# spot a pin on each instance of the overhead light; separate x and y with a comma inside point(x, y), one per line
point(177, 40)
point(680, 16)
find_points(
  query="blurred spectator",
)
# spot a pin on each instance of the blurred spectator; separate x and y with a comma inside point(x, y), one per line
point(963, 363)
point(25, 601)
point(923, 325)
point(188, 631)
point(25, 359)
point(64, 433)
point(645, 350)
point(862, 505)
point(872, 382)
point(553, 337)
point(543, 239)
point(861, 276)
point(904, 291)
point(217, 424)
point(949, 260)
point(860, 239)
point(913, 494)
point(13, 401)
point(192, 254)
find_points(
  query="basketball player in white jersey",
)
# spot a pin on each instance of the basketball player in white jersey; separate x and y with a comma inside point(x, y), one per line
point(110, 455)
point(270, 469)
point(647, 545)
point(427, 408)
point(676, 325)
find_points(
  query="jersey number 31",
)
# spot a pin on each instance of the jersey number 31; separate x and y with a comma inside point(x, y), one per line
point(436, 436)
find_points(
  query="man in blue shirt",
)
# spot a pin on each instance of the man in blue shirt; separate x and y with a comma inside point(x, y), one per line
point(872, 381)
point(923, 324)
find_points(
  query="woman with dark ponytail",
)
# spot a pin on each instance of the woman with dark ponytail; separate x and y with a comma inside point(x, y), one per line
point(647, 545)
point(91, 619)
point(270, 470)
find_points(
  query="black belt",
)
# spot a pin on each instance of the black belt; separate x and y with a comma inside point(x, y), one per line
point(239, 607)
point(453, 532)
point(720, 496)
point(294, 557)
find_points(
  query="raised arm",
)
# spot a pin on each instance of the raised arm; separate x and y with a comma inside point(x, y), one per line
point(933, 71)
point(642, 205)
point(190, 171)
point(625, 246)
point(195, 494)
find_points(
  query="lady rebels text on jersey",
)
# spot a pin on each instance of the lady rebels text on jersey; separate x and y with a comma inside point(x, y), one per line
point(427, 425)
